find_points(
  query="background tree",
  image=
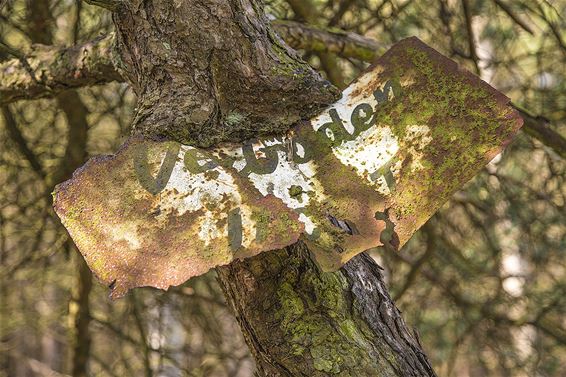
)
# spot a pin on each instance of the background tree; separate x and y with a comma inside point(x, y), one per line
point(483, 281)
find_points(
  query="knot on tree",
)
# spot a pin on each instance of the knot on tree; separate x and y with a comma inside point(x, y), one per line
point(207, 72)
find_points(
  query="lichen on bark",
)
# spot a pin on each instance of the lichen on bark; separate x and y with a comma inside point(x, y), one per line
point(316, 324)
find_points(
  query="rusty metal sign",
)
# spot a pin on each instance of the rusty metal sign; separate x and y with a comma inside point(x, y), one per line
point(369, 170)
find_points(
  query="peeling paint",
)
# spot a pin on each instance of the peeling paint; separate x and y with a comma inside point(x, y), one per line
point(369, 170)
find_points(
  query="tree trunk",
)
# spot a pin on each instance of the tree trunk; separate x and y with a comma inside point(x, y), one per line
point(212, 71)
point(207, 72)
point(300, 321)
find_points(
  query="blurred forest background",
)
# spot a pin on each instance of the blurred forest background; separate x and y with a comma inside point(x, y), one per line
point(484, 281)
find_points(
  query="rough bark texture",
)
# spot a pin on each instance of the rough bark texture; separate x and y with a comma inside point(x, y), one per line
point(300, 321)
point(219, 65)
point(315, 39)
point(206, 72)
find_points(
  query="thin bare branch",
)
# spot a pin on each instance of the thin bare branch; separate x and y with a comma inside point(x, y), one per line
point(471, 38)
point(538, 127)
point(21, 143)
point(21, 58)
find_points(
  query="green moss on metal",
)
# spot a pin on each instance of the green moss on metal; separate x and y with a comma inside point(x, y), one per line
point(444, 100)
point(262, 220)
point(285, 226)
point(296, 191)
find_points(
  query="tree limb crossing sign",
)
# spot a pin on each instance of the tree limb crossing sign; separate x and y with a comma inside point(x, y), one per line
point(369, 170)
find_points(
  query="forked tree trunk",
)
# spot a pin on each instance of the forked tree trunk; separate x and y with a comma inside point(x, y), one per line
point(209, 71)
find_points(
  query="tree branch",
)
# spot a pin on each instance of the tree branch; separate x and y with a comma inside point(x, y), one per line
point(54, 70)
point(21, 143)
point(21, 57)
point(470, 32)
point(314, 39)
point(307, 11)
point(538, 127)
point(509, 11)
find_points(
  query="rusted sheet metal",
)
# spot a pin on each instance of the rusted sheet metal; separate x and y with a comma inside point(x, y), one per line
point(369, 170)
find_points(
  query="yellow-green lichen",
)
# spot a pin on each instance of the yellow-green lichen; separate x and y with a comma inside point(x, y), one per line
point(464, 118)
point(318, 322)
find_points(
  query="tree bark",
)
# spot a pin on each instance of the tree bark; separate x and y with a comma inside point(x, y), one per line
point(300, 321)
point(206, 72)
